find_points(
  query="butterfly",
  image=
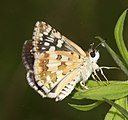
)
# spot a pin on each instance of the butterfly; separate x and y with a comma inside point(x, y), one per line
point(55, 64)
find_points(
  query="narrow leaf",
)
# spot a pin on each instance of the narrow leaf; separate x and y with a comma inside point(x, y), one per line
point(114, 56)
point(86, 107)
point(118, 32)
point(120, 106)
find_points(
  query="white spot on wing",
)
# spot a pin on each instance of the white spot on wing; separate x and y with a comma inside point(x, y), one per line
point(41, 38)
point(59, 44)
point(39, 83)
point(54, 62)
point(52, 48)
point(52, 68)
point(37, 23)
point(53, 55)
point(41, 93)
point(59, 72)
point(45, 33)
point(49, 39)
point(68, 63)
point(57, 35)
point(35, 88)
point(53, 65)
point(46, 44)
point(64, 58)
point(43, 48)
point(51, 95)
point(48, 78)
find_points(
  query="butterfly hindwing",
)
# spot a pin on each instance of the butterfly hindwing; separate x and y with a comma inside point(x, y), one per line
point(52, 67)
point(27, 55)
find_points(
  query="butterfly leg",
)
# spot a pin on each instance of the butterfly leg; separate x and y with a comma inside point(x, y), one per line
point(82, 83)
point(95, 68)
point(102, 73)
point(104, 67)
point(96, 77)
point(95, 74)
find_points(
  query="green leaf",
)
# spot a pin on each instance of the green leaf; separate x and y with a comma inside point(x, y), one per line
point(120, 106)
point(111, 91)
point(86, 107)
point(118, 32)
point(91, 84)
point(114, 56)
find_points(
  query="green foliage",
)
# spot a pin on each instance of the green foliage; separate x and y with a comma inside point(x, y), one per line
point(111, 91)
point(86, 107)
point(118, 107)
point(114, 90)
point(119, 37)
point(116, 58)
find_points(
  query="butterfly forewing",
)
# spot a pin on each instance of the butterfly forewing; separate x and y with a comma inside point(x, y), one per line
point(46, 38)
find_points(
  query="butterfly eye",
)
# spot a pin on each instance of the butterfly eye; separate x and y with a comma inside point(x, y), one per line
point(92, 54)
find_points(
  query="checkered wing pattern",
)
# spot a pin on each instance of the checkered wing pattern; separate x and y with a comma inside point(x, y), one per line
point(53, 62)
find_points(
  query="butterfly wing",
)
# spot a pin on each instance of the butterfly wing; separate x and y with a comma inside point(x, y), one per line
point(46, 38)
point(51, 68)
point(27, 55)
point(54, 62)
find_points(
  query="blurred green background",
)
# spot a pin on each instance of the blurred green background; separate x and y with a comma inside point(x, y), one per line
point(80, 21)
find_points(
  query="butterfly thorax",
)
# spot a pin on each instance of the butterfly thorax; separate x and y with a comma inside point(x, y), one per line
point(89, 63)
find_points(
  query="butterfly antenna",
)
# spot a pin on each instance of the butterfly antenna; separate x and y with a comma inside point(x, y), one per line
point(98, 45)
point(101, 43)
point(92, 46)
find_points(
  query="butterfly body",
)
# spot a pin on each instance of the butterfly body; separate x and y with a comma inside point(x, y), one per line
point(55, 64)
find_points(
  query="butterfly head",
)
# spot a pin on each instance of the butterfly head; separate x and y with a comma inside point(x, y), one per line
point(93, 53)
